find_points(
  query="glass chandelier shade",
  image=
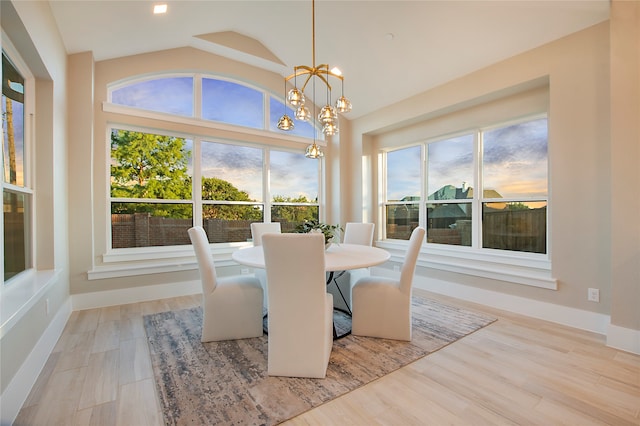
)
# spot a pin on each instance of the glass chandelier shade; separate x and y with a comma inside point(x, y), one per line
point(313, 151)
point(285, 123)
point(343, 104)
point(302, 113)
point(328, 116)
point(295, 97)
point(330, 129)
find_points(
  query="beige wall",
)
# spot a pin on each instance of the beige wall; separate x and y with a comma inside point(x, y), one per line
point(89, 197)
point(594, 163)
point(31, 28)
point(625, 164)
point(575, 73)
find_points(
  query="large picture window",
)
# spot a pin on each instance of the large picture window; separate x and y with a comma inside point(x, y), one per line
point(17, 194)
point(151, 202)
point(509, 212)
point(162, 184)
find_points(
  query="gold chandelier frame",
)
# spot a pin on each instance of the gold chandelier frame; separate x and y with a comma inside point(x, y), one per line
point(328, 114)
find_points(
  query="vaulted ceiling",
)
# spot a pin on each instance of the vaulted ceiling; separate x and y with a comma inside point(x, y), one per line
point(388, 50)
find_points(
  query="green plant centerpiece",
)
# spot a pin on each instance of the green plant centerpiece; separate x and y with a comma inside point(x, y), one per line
point(330, 232)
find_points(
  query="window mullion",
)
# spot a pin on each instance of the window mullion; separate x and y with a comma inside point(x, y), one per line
point(476, 203)
point(382, 191)
point(196, 189)
point(266, 188)
point(422, 207)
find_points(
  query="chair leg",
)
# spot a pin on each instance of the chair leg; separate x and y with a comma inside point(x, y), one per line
point(340, 291)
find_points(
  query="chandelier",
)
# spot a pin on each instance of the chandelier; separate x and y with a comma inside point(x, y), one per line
point(328, 115)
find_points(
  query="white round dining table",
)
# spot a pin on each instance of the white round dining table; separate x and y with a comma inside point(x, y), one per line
point(338, 257)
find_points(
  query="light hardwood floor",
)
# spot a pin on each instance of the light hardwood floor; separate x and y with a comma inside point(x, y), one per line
point(517, 370)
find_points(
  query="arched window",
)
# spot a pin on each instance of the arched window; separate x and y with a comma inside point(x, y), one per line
point(171, 95)
point(211, 172)
point(220, 100)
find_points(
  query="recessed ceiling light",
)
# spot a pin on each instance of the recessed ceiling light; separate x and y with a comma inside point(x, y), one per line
point(159, 8)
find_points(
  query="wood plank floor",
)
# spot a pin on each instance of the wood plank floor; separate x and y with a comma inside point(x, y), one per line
point(517, 371)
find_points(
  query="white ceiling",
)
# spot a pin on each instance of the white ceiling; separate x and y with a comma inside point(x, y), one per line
point(433, 41)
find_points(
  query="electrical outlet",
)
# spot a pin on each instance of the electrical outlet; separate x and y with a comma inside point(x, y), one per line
point(593, 295)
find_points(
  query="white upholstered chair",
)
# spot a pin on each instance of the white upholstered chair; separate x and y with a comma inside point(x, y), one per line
point(300, 318)
point(382, 305)
point(258, 229)
point(231, 306)
point(358, 233)
point(354, 233)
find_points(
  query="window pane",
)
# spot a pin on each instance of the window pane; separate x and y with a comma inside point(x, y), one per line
point(515, 226)
point(232, 103)
point(150, 224)
point(13, 124)
point(294, 178)
point(16, 233)
point(172, 95)
point(231, 172)
point(290, 217)
point(145, 165)
point(403, 174)
point(301, 128)
point(402, 219)
point(515, 161)
point(449, 223)
point(227, 223)
point(16, 205)
point(450, 168)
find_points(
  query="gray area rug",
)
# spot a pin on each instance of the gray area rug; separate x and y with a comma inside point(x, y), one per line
point(226, 383)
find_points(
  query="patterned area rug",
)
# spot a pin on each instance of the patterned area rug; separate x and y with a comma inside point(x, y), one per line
point(226, 383)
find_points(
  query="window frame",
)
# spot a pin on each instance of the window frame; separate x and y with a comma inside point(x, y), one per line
point(533, 269)
point(134, 119)
point(196, 200)
point(27, 189)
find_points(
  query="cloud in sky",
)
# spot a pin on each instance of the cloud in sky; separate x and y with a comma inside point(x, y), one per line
point(450, 162)
point(240, 165)
point(172, 95)
point(292, 174)
point(514, 163)
point(403, 173)
point(515, 159)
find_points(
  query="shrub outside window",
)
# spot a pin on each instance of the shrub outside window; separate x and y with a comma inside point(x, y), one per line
point(150, 189)
point(154, 197)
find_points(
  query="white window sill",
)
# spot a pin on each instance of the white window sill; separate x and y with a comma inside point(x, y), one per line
point(157, 260)
point(21, 294)
point(519, 268)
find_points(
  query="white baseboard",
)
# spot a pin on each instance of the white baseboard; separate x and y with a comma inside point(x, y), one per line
point(18, 389)
point(565, 315)
point(100, 299)
point(617, 337)
point(625, 339)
